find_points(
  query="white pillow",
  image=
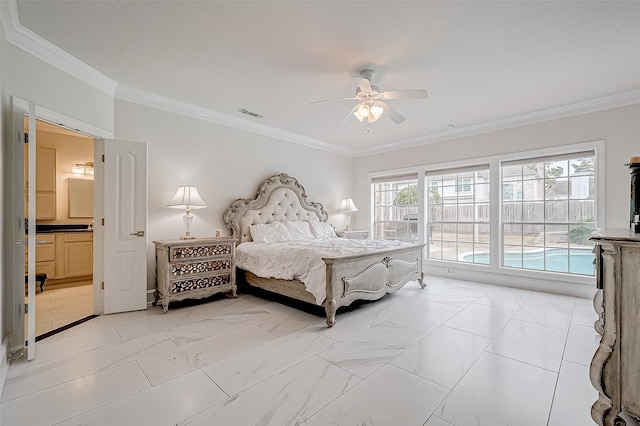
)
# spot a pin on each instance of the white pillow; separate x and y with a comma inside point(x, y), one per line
point(322, 229)
point(299, 230)
point(269, 233)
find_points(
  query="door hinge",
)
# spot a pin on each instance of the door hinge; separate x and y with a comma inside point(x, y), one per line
point(26, 308)
point(102, 221)
point(102, 285)
point(26, 138)
point(103, 158)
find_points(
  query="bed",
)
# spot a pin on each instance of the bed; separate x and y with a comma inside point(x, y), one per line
point(366, 274)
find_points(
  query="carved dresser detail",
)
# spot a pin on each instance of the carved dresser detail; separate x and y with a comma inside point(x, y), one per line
point(615, 368)
point(193, 269)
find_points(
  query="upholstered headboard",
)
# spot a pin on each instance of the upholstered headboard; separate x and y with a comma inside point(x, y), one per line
point(280, 199)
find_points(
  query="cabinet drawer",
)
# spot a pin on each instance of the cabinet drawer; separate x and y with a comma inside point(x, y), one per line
point(47, 238)
point(79, 236)
point(200, 251)
point(196, 283)
point(189, 268)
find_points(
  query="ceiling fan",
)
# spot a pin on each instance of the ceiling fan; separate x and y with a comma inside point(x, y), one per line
point(372, 101)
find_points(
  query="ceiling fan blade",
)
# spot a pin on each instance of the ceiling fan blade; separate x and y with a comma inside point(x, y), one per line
point(391, 113)
point(405, 94)
point(353, 110)
point(332, 100)
point(363, 83)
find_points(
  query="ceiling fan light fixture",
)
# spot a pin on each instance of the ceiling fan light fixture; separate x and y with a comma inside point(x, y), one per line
point(363, 111)
point(376, 111)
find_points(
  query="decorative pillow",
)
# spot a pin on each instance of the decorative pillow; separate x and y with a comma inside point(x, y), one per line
point(322, 229)
point(274, 232)
point(299, 230)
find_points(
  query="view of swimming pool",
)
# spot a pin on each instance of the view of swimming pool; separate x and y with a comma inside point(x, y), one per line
point(575, 261)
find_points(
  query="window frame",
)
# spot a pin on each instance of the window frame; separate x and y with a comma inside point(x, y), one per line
point(541, 189)
point(505, 275)
point(458, 199)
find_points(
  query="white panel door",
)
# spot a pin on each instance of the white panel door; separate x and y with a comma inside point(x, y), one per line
point(125, 226)
point(16, 242)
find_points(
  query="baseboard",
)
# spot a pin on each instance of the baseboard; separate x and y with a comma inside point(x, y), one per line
point(4, 364)
point(549, 283)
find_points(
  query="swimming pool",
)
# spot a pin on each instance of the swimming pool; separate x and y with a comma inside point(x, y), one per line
point(575, 261)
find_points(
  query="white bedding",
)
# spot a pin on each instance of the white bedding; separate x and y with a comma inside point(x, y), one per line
point(302, 260)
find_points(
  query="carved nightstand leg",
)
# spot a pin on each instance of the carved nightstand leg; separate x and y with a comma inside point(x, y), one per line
point(165, 305)
point(330, 308)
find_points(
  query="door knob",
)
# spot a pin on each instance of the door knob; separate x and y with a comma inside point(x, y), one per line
point(138, 234)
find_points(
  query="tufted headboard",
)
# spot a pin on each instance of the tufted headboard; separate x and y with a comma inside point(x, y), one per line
point(280, 199)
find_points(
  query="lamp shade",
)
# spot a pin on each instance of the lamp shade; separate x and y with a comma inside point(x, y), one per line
point(347, 206)
point(187, 197)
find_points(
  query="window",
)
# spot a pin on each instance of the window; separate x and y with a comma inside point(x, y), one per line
point(548, 225)
point(458, 217)
point(463, 185)
point(395, 201)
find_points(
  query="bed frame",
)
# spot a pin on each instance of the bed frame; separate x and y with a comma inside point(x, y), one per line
point(367, 276)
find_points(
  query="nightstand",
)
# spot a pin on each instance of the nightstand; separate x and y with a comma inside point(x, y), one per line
point(354, 235)
point(193, 269)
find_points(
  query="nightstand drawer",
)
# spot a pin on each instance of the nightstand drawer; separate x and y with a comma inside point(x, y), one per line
point(200, 251)
point(198, 283)
point(189, 268)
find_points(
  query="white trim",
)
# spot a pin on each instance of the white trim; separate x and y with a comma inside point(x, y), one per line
point(65, 121)
point(593, 105)
point(4, 364)
point(72, 124)
point(48, 52)
point(549, 282)
point(183, 108)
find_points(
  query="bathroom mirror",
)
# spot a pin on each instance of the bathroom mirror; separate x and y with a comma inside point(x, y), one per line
point(80, 198)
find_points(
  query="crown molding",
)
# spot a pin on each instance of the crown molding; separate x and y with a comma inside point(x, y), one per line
point(42, 49)
point(137, 96)
point(564, 111)
point(27, 40)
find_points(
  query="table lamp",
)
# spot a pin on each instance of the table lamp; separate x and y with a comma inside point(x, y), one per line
point(187, 198)
point(346, 207)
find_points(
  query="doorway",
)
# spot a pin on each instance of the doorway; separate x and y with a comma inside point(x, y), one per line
point(64, 228)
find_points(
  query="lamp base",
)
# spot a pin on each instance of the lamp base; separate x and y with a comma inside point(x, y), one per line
point(187, 237)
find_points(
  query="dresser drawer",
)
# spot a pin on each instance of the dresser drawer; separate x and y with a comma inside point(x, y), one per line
point(200, 251)
point(197, 283)
point(191, 268)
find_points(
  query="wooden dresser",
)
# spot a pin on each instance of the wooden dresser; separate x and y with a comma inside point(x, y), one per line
point(193, 269)
point(615, 368)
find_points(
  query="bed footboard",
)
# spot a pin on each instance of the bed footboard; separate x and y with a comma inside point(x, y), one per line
point(370, 277)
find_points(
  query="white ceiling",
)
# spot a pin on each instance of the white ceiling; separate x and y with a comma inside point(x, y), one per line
point(482, 63)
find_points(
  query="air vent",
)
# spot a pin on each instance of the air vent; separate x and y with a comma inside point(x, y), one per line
point(252, 114)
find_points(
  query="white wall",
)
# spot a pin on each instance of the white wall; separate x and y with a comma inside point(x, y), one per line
point(619, 128)
point(34, 80)
point(225, 164)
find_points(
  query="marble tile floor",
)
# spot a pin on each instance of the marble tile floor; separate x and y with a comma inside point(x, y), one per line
point(455, 353)
point(60, 306)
